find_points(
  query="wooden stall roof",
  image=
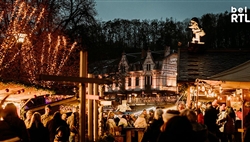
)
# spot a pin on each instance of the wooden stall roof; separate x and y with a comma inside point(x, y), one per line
point(211, 62)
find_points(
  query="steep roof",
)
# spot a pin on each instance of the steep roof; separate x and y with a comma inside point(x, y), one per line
point(203, 65)
point(134, 59)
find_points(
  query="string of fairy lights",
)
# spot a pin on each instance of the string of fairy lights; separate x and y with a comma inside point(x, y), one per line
point(48, 56)
point(216, 92)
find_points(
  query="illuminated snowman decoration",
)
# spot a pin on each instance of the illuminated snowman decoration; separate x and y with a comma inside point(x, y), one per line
point(197, 31)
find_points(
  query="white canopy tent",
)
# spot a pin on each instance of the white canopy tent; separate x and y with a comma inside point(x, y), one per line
point(236, 77)
point(227, 84)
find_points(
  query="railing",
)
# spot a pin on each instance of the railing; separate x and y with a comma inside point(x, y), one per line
point(152, 100)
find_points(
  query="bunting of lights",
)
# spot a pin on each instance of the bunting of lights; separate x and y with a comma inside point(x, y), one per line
point(217, 92)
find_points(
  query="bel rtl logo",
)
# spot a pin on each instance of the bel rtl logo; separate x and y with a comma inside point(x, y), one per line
point(239, 15)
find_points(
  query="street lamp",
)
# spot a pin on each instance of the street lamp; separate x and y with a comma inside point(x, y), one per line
point(20, 37)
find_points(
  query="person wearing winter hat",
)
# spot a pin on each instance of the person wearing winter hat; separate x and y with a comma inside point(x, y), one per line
point(169, 114)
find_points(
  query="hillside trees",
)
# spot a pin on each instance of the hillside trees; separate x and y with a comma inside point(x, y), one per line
point(122, 35)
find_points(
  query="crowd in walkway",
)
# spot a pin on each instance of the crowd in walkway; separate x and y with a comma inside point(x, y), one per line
point(48, 127)
point(215, 123)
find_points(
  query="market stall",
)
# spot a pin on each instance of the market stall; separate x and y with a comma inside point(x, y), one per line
point(233, 85)
point(28, 97)
point(21, 95)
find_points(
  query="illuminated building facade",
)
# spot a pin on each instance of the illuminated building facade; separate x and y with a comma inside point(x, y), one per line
point(150, 73)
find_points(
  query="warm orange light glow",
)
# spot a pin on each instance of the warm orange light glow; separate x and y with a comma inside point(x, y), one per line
point(20, 37)
point(54, 50)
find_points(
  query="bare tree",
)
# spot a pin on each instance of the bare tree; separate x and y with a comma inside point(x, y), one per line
point(46, 48)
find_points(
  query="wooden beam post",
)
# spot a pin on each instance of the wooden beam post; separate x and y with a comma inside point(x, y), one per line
point(95, 92)
point(90, 110)
point(82, 95)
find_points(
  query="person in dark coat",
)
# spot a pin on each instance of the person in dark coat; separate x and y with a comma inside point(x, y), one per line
point(153, 130)
point(200, 130)
point(6, 133)
point(210, 118)
point(247, 127)
point(247, 135)
point(54, 124)
point(14, 123)
point(61, 134)
point(247, 120)
point(37, 132)
point(177, 129)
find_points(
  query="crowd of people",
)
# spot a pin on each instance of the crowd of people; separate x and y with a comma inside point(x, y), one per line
point(215, 123)
point(47, 127)
point(112, 121)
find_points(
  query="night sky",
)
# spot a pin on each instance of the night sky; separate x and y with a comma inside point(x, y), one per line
point(179, 10)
